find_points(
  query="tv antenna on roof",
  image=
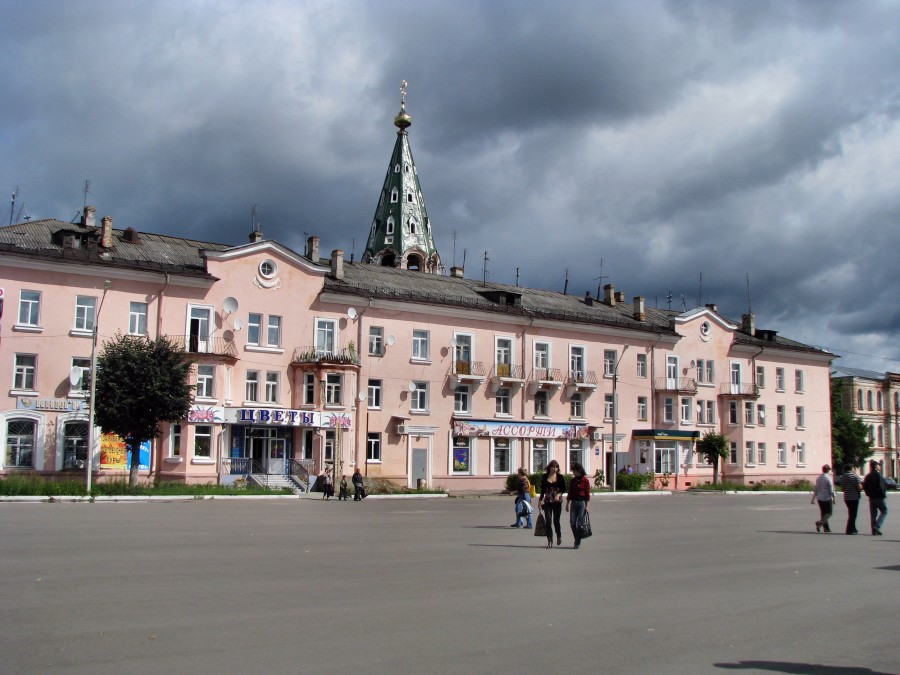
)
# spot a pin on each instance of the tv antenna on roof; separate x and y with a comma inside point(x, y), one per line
point(484, 267)
point(749, 299)
point(254, 220)
point(600, 279)
point(87, 188)
point(12, 206)
point(669, 300)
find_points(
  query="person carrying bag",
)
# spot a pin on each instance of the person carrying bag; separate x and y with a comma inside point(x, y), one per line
point(579, 497)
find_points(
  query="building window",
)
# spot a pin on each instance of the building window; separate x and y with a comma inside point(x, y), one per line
point(373, 447)
point(781, 416)
point(85, 311)
point(642, 408)
point(462, 354)
point(576, 405)
point(376, 341)
point(710, 412)
point(576, 453)
point(501, 456)
point(333, 387)
point(30, 308)
point(761, 453)
point(462, 457)
point(503, 357)
point(749, 412)
point(642, 365)
point(251, 390)
point(609, 362)
point(779, 379)
point(389, 229)
point(309, 389)
point(203, 440)
point(420, 345)
point(733, 456)
point(462, 400)
point(137, 318)
point(328, 445)
point(761, 415)
point(374, 398)
point(664, 458)
point(576, 363)
point(880, 400)
point(254, 329)
point(25, 369)
point(686, 410)
point(82, 385)
point(325, 334)
point(782, 453)
point(395, 195)
point(541, 403)
point(271, 387)
point(801, 417)
point(706, 371)
point(761, 377)
point(20, 443)
point(274, 332)
point(750, 450)
point(205, 378)
point(669, 409)
point(175, 440)
point(503, 402)
point(869, 400)
point(75, 445)
point(859, 399)
point(419, 402)
point(608, 406)
point(798, 380)
point(801, 453)
point(541, 355)
point(733, 412)
point(540, 455)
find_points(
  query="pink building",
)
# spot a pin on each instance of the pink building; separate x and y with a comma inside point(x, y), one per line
point(388, 364)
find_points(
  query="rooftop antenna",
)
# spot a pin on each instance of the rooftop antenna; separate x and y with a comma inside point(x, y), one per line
point(669, 300)
point(700, 292)
point(749, 299)
point(352, 248)
point(600, 279)
point(12, 205)
point(484, 267)
point(464, 259)
point(517, 277)
point(454, 248)
point(684, 302)
point(87, 189)
point(20, 217)
point(254, 220)
point(566, 284)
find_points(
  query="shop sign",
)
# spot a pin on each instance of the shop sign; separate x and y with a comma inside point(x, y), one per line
point(206, 414)
point(477, 428)
point(50, 404)
point(114, 453)
point(288, 418)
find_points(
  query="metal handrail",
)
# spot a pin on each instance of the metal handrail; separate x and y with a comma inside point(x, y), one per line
point(344, 356)
point(675, 384)
point(546, 375)
point(582, 377)
point(738, 389)
point(217, 346)
point(473, 368)
point(508, 371)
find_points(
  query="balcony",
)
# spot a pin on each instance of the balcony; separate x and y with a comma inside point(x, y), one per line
point(213, 346)
point(682, 385)
point(738, 390)
point(509, 373)
point(546, 378)
point(314, 355)
point(581, 379)
point(468, 371)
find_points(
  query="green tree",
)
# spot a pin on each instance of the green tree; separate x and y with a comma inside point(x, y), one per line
point(713, 446)
point(849, 435)
point(141, 383)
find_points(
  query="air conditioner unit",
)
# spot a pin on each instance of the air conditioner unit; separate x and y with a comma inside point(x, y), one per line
point(597, 435)
point(401, 429)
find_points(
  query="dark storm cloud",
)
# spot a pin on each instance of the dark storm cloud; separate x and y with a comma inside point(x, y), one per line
point(669, 139)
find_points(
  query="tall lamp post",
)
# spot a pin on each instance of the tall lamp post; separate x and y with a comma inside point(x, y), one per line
point(90, 448)
point(615, 414)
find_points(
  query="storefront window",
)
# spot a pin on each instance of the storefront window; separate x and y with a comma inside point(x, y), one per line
point(19, 443)
point(462, 454)
point(501, 455)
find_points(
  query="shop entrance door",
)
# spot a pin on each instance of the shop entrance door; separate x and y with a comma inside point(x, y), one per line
point(267, 450)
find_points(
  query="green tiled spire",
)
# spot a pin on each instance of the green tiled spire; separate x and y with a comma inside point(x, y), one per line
point(401, 231)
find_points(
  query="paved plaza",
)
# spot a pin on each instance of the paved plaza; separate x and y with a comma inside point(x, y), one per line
point(668, 584)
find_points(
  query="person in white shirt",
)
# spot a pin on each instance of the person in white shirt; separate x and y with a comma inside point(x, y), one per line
point(824, 497)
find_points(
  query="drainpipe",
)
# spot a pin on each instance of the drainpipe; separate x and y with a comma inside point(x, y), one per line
point(525, 459)
point(615, 412)
point(157, 457)
point(359, 399)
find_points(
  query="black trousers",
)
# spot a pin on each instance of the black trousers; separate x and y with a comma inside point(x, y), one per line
point(852, 508)
point(552, 513)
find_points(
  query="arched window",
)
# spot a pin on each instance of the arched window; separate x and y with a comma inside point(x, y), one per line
point(871, 433)
point(869, 400)
point(396, 168)
point(880, 400)
point(389, 260)
point(409, 197)
point(859, 400)
point(20, 443)
point(381, 200)
point(411, 225)
point(880, 436)
point(896, 400)
point(75, 445)
point(390, 226)
point(414, 262)
point(394, 196)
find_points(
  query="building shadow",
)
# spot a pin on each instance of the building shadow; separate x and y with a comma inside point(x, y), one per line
point(799, 668)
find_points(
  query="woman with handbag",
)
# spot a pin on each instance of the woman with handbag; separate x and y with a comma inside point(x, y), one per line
point(578, 498)
point(553, 485)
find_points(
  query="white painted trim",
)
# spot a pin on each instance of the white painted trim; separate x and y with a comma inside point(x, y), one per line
point(65, 266)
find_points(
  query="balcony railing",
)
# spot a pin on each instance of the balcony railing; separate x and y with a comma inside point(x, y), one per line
point(508, 371)
point(307, 355)
point(548, 376)
point(215, 346)
point(582, 379)
point(738, 390)
point(680, 384)
point(468, 369)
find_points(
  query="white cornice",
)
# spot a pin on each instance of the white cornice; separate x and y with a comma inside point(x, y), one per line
point(262, 247)
point(759, 350)
point(64, 266)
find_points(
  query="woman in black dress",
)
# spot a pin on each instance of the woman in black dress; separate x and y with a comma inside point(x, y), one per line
point(553, 485)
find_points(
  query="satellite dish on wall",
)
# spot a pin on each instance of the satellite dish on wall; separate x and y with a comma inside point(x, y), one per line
point(411, 386)
point(230, 305)
point(391, 340)
point(351, 313)
point(453, 342)
point(74, 376)
point(238, 324)
point(362, 396)
point(762, 414)
point(228, 336)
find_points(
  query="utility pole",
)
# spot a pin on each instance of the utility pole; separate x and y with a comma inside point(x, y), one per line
point(615, 414)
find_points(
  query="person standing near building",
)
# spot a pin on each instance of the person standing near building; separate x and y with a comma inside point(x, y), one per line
point(328, 491)
point(824, 496)
point(850, 484)
point(876, 490)
point(358, 486)
point(578, 499)
point(342, 493)
point(523, 500)
point(553, 486)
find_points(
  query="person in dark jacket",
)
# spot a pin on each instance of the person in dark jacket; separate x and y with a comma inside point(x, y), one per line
point(358, 486)
point(876, 490)
point(850, 484)
point(578, 499)
point(553, 486)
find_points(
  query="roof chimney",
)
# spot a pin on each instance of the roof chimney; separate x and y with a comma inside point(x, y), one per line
point(312, 249)
point(639, 313)
point(609, 295)
point(712, 307)
point(256, 236)
point(588, 300)
point(620, 296)
point(88, 217)
point(106, 232)
point(131, 236)
point(748, 324)
point(457, 272)
point(337, 264)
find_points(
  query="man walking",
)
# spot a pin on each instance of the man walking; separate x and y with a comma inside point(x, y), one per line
point(824, 496)
point(876, 491)
point(850, 484)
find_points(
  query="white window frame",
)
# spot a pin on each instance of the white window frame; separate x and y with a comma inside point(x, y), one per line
point(85, 313)
point(578, 360)
point(541, 354)
point(374, 393)
point(761, 414)
point(686, 410)
point(273, 330)
point(254, 329)
point(781, 416)
point(668, 409)
point(734, 413)
point(609, 362)
point(421, 345)
point(761, 377)
point(334, 389)
point(251, 386)
point(464, 351)
point(203, 321)
point(376, 340)
point(29, 309)
point(799, 384)
point(462, 400)
point(749, 413)
point(539, 446)
point(418, 400)
point(642, 408)
point(503, 353)
point(176, 435)
point(25, 372)
point(750, 453)
point(642, 366)
point(608, 404)
point(373, 447)
point(82, 387)
point(779, 379)
point(206, 375)
point(801, 417)
point(309, 388)
point(326, 336)
point(272, 387)
point(503, 402)
point(761, 452)
point(542, 403)
point(576, 406)
point(498, 444)
point(137, 318)
point(203, 431)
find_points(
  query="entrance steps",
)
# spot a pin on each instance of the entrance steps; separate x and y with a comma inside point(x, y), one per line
point(276, 481)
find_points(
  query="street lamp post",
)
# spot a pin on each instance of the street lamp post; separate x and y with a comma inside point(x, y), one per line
point(90, 448)
point(615, 414)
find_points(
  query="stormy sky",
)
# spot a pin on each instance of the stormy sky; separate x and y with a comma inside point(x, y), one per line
point(673, 141)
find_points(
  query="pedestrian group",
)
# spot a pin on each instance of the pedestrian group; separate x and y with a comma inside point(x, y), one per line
point(553, 489)
point(853, 487)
